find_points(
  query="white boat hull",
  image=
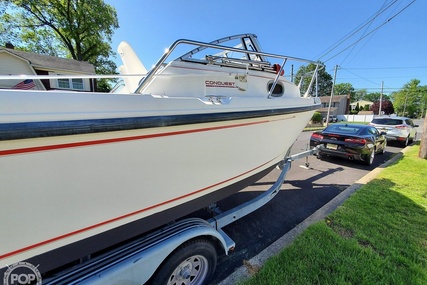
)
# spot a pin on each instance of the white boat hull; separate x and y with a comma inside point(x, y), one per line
point(68, 188)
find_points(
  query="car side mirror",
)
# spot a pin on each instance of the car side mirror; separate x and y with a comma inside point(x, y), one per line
point(416, 126)
point(383, 133)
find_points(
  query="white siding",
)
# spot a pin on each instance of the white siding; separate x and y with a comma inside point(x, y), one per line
point(11, 65)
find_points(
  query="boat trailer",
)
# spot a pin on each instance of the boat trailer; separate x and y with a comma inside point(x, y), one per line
point(137, 261)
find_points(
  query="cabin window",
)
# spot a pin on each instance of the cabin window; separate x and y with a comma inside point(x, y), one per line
point(278, 89)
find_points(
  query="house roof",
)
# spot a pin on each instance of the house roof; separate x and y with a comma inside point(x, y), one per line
point(336, 98)
point(362, 103)
point(52, 62)
point(332, 110)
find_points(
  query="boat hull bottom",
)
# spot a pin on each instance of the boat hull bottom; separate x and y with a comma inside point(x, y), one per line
point(52, 261)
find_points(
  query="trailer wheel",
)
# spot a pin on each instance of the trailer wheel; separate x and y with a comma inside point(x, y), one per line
point(193, 263)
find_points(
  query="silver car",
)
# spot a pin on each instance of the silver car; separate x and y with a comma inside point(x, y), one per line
point(400, 129)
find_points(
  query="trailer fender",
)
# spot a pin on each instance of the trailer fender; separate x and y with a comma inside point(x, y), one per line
point(138, 267)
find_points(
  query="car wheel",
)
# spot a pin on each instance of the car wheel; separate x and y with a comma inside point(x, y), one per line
point(369, 158)
point(384, 147)
point(413, 138)
point(405, 142)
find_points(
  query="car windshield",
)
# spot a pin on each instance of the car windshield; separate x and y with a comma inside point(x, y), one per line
point(387, 121)
point(344, 129)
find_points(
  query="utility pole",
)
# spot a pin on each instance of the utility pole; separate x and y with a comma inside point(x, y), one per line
point(317, 84)
point(381, 98)
point(332, 95)
point(406, 100)
point(292, 73)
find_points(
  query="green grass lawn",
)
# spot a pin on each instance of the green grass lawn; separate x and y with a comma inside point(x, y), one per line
point(378, 236)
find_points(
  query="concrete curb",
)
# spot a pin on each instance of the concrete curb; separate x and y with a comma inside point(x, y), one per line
point(258, 260)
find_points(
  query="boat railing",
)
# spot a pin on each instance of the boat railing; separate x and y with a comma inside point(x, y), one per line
point(152, 73)
point(239, 62)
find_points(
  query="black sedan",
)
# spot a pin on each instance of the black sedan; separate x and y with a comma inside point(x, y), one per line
point(351, 141)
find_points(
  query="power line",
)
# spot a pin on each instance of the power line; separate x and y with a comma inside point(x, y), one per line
point(387, 21)
point(369, 21)
point(359, 76)
point(349, 70)
point(384, 88)
point(391, 67)
point(387, 77)
point(367, 28)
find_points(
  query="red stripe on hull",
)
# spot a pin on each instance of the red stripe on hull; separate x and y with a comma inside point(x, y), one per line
point(115, 140)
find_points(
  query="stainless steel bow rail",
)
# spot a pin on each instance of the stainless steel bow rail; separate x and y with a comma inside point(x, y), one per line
point(137, 261)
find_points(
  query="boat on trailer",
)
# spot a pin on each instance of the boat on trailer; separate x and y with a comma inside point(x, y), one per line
point(81, 171)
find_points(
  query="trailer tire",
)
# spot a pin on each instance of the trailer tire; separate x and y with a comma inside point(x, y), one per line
point(194, 263)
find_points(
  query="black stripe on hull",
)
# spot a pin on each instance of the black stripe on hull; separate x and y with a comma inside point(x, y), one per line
point(11, 131)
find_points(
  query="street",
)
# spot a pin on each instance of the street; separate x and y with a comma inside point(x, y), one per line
point(305, 190)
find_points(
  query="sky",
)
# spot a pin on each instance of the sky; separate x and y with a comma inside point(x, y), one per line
point(375, 43)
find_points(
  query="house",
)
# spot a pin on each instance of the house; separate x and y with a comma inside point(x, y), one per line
point(339, 105)
point(361, 104)
point(17, 62)
point(365, 113)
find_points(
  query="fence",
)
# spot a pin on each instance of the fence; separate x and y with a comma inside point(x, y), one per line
point(355, 118)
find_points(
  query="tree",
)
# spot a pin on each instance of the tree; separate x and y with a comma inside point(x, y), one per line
point(344, 89)
point(411, 100)
point(422, 104)
point(374, 96)
point(357, 108)
point(324, 79)
point(359, 95)
point(386, 107)
point(78, 29)
point(422, 153)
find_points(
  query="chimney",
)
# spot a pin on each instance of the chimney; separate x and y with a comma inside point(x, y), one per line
point(10, 45)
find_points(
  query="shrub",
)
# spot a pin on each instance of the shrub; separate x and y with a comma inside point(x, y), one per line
point(317, 117)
